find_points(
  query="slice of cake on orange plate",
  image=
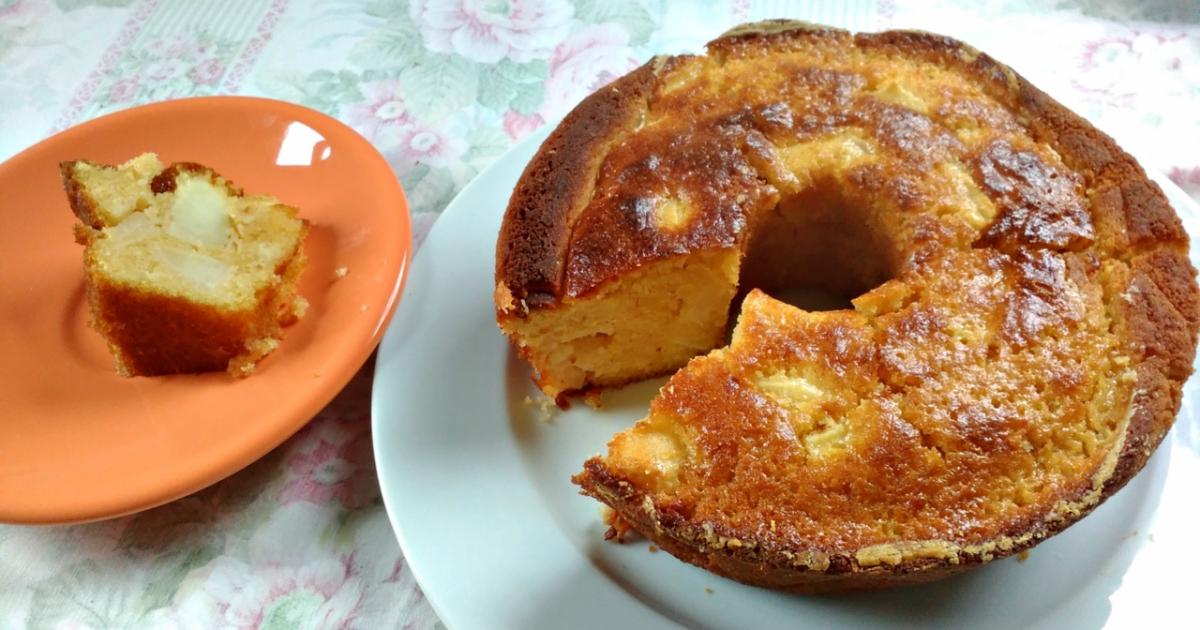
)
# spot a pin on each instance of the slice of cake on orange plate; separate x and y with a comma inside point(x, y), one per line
point(185, 273)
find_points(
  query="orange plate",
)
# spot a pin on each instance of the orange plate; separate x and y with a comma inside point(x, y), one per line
point(78, 442)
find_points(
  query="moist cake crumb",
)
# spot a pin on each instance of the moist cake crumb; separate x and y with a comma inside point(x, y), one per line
point(546, 409)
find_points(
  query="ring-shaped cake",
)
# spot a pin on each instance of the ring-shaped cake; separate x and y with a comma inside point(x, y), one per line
point(1021, 311)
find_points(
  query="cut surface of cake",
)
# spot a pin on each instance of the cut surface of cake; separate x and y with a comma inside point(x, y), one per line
point(184, 272)
point(1024, 314)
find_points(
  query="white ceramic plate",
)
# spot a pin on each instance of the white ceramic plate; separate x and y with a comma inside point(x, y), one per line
point(478, 489)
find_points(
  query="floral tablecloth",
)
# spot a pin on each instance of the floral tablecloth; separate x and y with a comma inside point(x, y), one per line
point(300, 538)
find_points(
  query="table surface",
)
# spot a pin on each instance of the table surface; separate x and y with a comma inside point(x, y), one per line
point(300, 538)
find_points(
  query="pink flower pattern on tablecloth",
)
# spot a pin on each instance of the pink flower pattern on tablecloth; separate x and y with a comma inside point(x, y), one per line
point(1187, 179)
point(518, 125)
point(124, 90)
point(319, 595)
point(163, 67)
point(326, 472)
point(300, 539)
point(490, 31)
point(381, 109)
point(405, 140)
point(433, 145)
point(207, 72)
point(583, 63)
point(1112, 68)
point(22, 13)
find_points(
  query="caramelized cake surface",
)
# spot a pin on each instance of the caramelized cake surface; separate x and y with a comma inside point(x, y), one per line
point(1024, 313)
point(184, 272)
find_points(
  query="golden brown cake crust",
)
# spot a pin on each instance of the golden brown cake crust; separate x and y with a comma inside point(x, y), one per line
point(1125, 218)
point(761, 566)
point(166, 181)
point(537, 225)
point(152, 334)
point(542, 213)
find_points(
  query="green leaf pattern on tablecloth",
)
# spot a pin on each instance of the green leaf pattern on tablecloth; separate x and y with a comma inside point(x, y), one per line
point(397, 39)
point(444, 88)
point(86, 594)
point(322, 90)
point(71, 5)
point(518, 86)
point(629, 14)
point(446, 84)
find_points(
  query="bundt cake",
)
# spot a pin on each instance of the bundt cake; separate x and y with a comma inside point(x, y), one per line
point(1021, 312)
point(184, 273)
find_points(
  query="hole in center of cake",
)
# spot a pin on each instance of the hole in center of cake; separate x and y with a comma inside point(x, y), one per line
point(817, 250)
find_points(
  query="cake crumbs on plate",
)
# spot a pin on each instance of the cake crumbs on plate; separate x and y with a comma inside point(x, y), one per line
point(653, 549)
point(593, 397)
point(708, 590)
point(618, 528)
point(1023, 555)
point(546, 409)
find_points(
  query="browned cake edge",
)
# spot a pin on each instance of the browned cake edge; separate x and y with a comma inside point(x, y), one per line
point(86, 209)
point(1157, 319)
point(166, 181)
point(150, 334)
point(82, 204)
point(547, 199)
point(555, 185)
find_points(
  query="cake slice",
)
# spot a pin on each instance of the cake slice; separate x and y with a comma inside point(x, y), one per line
point(836, 450)
point(184, 272)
